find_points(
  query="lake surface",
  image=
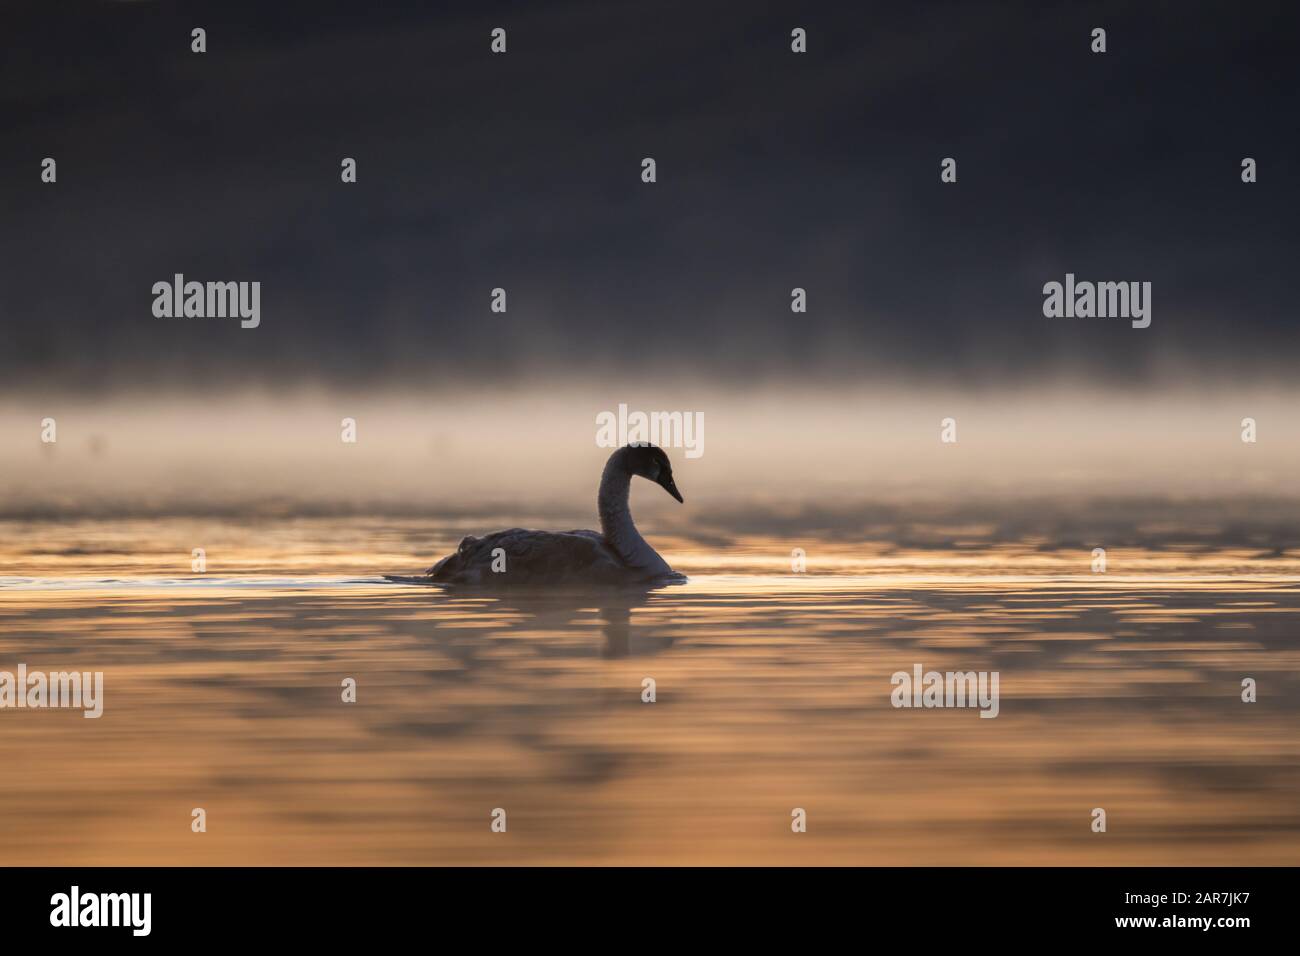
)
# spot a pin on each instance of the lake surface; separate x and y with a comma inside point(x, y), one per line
point(223, 690)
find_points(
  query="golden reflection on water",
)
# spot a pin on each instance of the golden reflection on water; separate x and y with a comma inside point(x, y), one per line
point(222, 691)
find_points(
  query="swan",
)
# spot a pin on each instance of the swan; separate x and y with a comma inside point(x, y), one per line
point(617, 554)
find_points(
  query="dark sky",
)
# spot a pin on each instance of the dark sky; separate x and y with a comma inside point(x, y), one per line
point(523, 171)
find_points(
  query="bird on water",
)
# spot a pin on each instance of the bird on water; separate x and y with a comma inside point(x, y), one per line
point(615, 555)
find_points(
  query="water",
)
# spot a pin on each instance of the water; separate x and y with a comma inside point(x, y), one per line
point(223, 691)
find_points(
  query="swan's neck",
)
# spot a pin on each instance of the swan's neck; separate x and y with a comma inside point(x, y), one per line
point(616, 521)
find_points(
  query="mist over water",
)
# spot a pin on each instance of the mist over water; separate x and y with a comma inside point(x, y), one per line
point(776, 450)
point(1118, 689)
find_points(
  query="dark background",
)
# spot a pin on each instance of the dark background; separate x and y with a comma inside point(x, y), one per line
point(523, 171)
point(377, 904)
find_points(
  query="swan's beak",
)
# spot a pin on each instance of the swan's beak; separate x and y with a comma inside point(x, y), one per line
point(670, 486)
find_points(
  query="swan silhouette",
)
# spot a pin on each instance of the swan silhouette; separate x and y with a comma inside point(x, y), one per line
point(616, 555)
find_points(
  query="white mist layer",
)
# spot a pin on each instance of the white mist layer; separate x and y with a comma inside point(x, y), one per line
point(783, 446)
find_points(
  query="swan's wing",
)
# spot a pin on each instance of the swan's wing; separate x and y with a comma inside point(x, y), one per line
point(521, 556)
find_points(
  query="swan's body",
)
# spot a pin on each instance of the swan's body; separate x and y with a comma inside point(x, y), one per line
point(617, 554)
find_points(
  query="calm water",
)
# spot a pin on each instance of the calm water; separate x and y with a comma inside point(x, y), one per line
point(222, 690)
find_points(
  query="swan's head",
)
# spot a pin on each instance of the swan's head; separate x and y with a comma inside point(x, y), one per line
point(649, 461)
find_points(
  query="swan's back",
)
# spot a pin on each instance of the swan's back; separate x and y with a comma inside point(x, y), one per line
point(532, 559)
